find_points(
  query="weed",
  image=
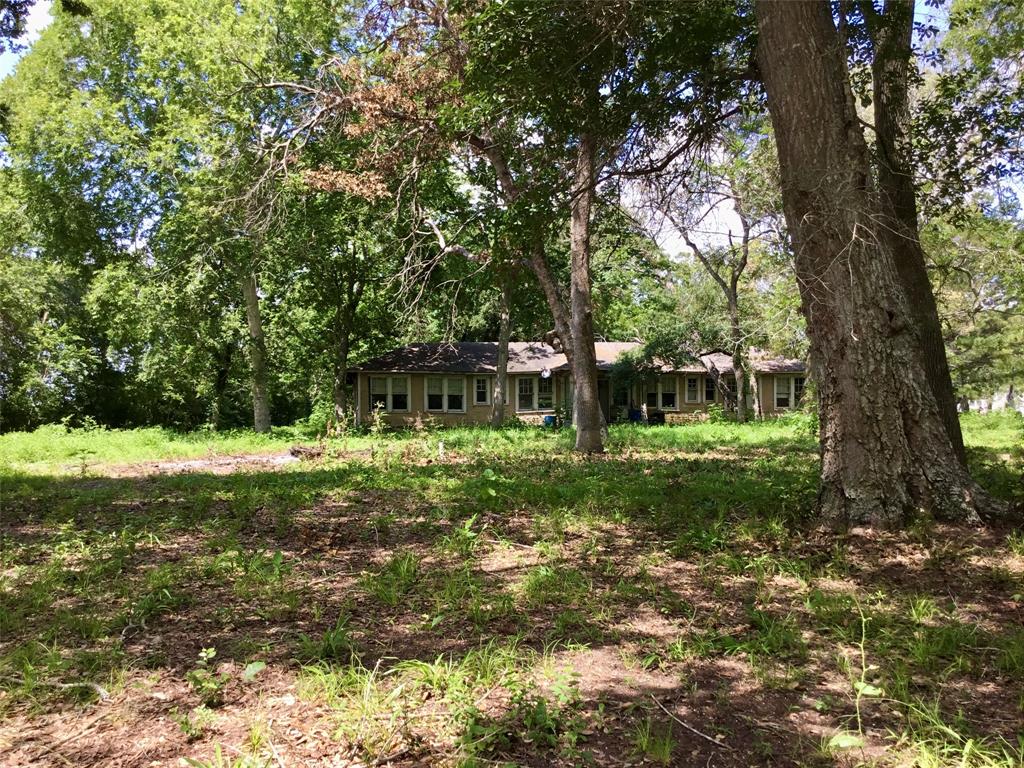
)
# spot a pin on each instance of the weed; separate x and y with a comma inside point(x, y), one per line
point(220, 760)
point(334, 645)
point(652, 742)
point(193, 724)
point(208, 684)
point(395, 580)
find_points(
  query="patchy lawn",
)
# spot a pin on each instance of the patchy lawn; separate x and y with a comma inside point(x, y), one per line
point(495, 601)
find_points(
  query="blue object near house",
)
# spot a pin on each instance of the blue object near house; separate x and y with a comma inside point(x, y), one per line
point(550, 421)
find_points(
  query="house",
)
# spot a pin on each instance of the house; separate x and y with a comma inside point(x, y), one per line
point(453, 383)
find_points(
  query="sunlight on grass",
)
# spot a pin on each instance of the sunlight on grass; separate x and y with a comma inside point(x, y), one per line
point(511, 603)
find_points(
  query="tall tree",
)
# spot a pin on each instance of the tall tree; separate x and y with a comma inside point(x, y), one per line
point(891, 30)
point(600, 85)
point(886, 454)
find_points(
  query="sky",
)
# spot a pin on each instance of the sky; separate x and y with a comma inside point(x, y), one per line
point(38, 18)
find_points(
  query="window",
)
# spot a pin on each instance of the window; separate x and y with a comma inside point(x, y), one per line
point(446, 395)
point(525, 391)
point(668, 393)
point(782, 391)
point(692, 389)
point(651, 398)
point(545, 394)
point(389, 392)
point(709, 389)
point(482, 392)
point(435, 394)
point(399, 393)
point(456, 392)
point(662, 393)
point(798, 389)
point(535, 394)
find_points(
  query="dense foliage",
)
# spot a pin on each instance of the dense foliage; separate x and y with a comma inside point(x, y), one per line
point(159, 158)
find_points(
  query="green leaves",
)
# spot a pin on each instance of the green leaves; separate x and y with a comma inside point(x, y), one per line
point(252, 669)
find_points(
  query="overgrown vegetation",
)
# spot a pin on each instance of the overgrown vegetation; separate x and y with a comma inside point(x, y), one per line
point(511, 603)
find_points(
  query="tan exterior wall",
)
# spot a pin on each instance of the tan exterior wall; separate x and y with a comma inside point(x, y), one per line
point(766, 392)
point(419, 417)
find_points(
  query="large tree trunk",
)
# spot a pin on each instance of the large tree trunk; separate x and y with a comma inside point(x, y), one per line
point(737, 360)
point(589, 419)
point(884, 447)
point(257, 355)
point(501, 374)
point(893, 59)
point(538, 262)
point(549, 286)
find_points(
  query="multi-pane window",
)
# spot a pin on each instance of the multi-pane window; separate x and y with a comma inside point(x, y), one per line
point(709, 389)
point(783, 391)
point(668, 393)
point(545, 394)
point(446, 394)
point(798, 389)
point(481, 391)
point(524, 400)
point(692, 389)
point(389, 392)
point(435, 393)
point(535, 394)
point(651, 397)
point(663, 393)
point(456, 393)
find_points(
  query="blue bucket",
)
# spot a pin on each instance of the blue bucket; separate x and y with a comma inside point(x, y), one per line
point(549, 421)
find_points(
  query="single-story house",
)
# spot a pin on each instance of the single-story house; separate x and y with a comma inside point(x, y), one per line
point(453, 383)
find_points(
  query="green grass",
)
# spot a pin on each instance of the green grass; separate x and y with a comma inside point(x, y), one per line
point(462, 603)
point(53, 446)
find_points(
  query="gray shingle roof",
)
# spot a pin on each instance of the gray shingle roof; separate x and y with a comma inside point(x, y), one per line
point(482, 357)
point(535, 356)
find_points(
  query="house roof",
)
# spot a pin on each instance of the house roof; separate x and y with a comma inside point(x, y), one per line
point(535, 356)
point(482, 357)
point(765, 362)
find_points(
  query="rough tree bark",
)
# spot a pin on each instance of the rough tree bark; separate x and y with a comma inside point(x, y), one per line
point(891, 32)
point(590, 424)
point(501, 374)
point(257, 355)
point(537, 261)
point(884, 448)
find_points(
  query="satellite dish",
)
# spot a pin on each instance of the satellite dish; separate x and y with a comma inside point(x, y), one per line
point(546, 373)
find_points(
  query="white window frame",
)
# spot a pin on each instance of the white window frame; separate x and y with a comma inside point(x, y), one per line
point(790, 391)
point(536, 394)
point(661, 392)
point(714, 389)
point(388, 396)
point(793, 378)
point(535, 391)
point(488, 389)
point(444, 394)
point(686, 390)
